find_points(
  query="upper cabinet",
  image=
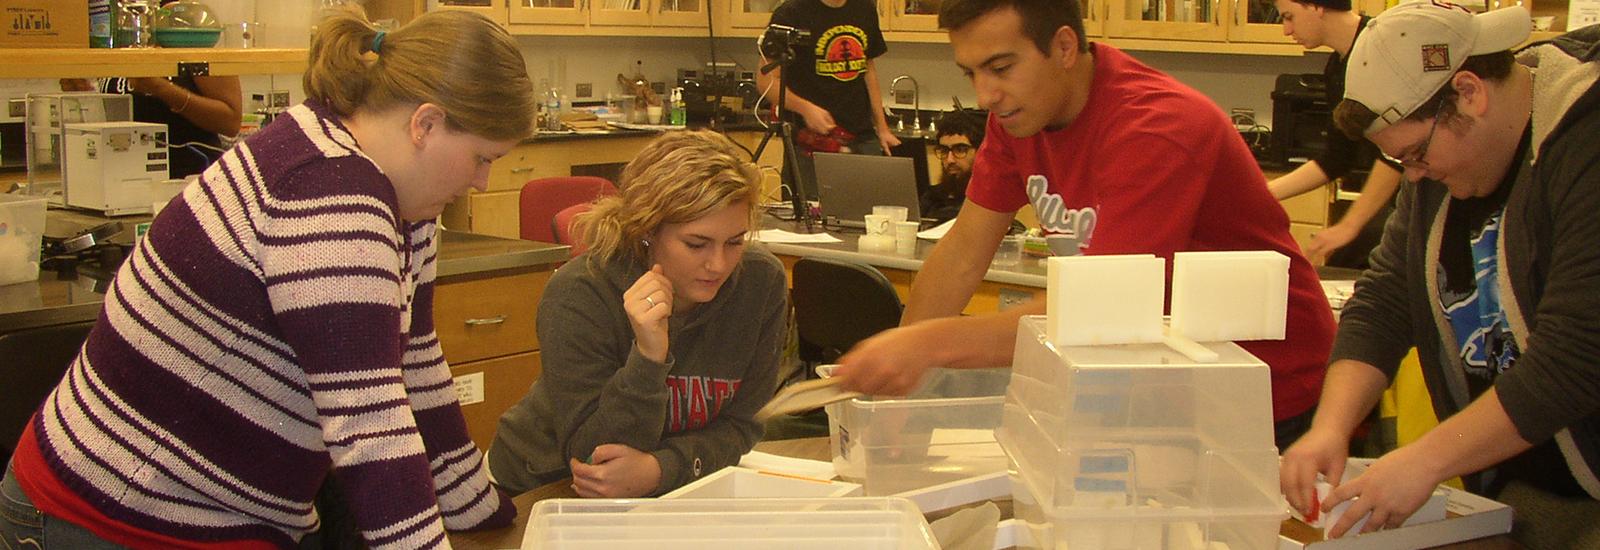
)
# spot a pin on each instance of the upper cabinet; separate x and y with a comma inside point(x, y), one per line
point(1255, 21)
point(750, 14)
point(493, 9)
point(910, 15)
point(1199, 20)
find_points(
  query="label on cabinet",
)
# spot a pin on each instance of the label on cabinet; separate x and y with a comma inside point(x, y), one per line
point(469, 388)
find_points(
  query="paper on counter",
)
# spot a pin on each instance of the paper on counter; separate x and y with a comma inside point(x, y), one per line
point(936, 232)
point(781, 236)
point(767, 462)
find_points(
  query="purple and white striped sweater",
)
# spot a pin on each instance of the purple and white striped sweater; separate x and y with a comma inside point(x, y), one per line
point(274, 324)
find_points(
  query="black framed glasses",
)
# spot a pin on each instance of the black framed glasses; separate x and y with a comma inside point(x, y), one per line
point(1416, 159)
point(959, 150)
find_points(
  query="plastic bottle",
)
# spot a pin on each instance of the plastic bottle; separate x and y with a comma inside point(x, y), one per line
point(552, 109)
point(679, 113)
point(101, 17)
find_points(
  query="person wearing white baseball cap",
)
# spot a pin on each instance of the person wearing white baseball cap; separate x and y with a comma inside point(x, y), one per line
point(1488, 267)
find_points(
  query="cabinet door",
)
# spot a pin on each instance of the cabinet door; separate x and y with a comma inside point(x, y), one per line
point(750, 14)
point(1166, 19)
point(1255, 21)
point(1094, 16)
point(619, 12)
point(493, 9)
point(680, 13)
point(912, 15)
point(549, 12)
point(487, 388)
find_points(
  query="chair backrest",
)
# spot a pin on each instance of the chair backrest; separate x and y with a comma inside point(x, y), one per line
point(36, 359)
point(561, 225)
point(837, 304)
point(542, 198)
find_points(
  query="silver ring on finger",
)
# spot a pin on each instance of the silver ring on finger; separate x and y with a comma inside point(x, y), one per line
point(651, 300)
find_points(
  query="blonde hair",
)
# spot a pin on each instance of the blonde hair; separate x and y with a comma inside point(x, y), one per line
point(677, 178)
point(460, 61)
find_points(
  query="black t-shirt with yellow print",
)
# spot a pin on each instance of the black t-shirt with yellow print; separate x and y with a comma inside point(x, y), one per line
point(830, 68)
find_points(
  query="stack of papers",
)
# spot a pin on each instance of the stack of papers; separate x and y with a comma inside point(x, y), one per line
point(781, 236)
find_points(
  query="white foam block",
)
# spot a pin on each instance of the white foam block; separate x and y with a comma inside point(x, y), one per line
point(1229, 296)
point(1100, 300)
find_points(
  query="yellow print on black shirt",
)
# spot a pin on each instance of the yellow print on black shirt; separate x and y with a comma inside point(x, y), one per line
point(842, 52)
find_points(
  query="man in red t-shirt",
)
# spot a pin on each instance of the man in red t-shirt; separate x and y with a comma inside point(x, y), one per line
point(1116, 158)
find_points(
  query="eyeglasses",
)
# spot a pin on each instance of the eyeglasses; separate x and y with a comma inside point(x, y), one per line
point(1420, 152)
point(959, 150)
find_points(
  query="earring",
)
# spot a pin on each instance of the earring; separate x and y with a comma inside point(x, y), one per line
point(646, 242)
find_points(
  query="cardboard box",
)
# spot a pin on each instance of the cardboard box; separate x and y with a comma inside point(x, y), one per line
point(44, 24)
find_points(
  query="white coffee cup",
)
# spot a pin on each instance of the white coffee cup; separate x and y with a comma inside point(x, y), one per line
point(879, 224)
point(895, 213)
point(905, 238)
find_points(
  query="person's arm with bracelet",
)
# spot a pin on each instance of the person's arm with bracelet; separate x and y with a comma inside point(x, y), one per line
point(880, 121)
point(216, 108)
point(1379, 188)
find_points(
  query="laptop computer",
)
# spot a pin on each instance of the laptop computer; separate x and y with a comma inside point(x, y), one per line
point(848, 186)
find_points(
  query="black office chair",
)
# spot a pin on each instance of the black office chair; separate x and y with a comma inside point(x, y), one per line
point(36, 359)
point(837, 304)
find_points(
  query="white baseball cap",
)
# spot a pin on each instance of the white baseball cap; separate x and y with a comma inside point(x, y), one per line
point(1408, 52)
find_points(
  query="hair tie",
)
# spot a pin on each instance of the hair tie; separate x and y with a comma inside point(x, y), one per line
point(377, 42)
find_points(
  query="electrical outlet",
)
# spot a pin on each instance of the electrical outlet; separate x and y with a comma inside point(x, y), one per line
point(585, 89)
point(279, 98)
point(1010, 298)
point(902, 97)
point(16, 108)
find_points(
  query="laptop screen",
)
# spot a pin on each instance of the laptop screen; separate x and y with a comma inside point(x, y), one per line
point(848, 186)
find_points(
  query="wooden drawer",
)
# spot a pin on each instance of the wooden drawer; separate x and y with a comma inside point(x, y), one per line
point(489, 317)
point(489, 387)
point(1310, 207)
point(556, 158)
point(1302, 233)
point(497, 214)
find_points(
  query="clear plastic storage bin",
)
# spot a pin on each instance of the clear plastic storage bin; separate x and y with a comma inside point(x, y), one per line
point(1137, 447)
point(941, 433)
point(21, 226)
point(696, 524)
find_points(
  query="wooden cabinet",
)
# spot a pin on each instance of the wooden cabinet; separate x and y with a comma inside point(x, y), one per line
point(495, 210)
point(98, 62)
point(746, 17)
point(1308, 212)
point(493, 9)
point(486, 327)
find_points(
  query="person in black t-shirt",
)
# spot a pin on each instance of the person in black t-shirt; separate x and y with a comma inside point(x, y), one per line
point(1314, 24)
point(832, 83)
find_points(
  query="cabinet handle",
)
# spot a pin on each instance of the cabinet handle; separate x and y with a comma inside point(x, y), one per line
point(486, 321)
point(522, 169)
point(1236, 21)
point(1216, 5)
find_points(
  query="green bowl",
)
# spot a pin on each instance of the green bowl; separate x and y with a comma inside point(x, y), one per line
point(172, 37)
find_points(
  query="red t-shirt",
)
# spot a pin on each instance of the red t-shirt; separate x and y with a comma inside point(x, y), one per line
point(1151, 166)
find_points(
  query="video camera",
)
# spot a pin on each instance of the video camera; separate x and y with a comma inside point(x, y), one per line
point(779, 41)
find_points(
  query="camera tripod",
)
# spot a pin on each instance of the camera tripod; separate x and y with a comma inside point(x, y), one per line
point(789, 176)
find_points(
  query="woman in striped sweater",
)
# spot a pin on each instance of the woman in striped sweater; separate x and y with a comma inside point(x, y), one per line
point(275, 325)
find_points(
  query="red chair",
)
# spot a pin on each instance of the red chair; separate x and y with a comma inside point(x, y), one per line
point(542, 198)
point(561, 225)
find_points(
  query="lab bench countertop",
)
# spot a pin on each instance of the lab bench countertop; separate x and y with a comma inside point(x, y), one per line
point(52, 300)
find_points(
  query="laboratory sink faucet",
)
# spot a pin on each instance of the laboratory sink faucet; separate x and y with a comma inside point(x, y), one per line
point(916, 101)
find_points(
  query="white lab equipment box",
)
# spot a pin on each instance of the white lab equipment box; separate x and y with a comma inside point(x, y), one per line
point(47, 115)
point(115, 167)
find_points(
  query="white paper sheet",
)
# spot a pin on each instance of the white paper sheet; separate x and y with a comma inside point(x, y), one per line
point(781, 236)
point(937, 232)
